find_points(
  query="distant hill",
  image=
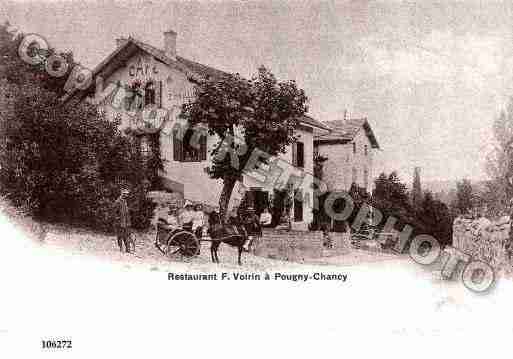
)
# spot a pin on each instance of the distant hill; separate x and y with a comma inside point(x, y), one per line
point(438, 186)
point(445, 190)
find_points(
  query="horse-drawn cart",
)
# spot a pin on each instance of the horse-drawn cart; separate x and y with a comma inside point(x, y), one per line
point(171, 241)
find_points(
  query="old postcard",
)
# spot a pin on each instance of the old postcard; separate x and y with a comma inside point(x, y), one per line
point(256, 179)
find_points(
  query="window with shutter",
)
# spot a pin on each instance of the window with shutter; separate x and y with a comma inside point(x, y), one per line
point(294, 154)
point(298, 206)
point(158, 94)
point(203, 148)
point(300, 155)
point(177, 146)
point(149, 94)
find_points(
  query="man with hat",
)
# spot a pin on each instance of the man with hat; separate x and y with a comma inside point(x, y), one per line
point(124, 222)
point(252, 224)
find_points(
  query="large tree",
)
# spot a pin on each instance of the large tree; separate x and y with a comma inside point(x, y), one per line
point(500, 162)
point(57, 160)
point(390, 194)
point(416, 192)
point(465, 198)
point(262, 111)
point(17, 72)
point(391, 197)
point(437, 218)
point(431, 216)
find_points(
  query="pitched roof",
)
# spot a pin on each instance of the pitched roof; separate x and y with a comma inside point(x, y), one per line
point(344, 131)
point(130, 46)
point(192, 69)
point(315, 123)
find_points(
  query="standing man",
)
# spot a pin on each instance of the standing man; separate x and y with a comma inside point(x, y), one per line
point(124, 223)
point(253, 228)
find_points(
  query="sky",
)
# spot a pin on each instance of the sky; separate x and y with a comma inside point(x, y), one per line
point(429, 77)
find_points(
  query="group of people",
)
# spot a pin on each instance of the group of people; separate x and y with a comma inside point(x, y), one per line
point(236, 215)
point(192, 218)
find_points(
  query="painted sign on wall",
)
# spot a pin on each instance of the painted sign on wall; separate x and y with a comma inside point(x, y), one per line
point(142, 68)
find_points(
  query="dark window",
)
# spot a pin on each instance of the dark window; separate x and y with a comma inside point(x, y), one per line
point(298, 154)
point(135, 98)
point(189, 148)
point(354, 147)
point(298, 206)
point(258, 199)
point(366, 150)
point(149, 94)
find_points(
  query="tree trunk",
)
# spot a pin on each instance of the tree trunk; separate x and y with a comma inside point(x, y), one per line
point(224, 198)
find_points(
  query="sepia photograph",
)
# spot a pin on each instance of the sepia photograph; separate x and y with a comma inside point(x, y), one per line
point(256, 178)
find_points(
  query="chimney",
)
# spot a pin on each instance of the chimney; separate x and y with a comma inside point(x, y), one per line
point(345, 114)
point(170, 44)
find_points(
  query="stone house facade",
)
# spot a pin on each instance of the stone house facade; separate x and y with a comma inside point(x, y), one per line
point(350, 149)
point(165, 81)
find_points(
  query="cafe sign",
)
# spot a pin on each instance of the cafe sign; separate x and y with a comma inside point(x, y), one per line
point(143, 69)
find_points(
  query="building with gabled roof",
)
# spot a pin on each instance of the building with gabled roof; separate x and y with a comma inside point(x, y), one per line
point(350, 147)
point(164, 80)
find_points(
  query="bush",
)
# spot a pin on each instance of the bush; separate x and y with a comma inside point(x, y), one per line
point(66, 163)
point(60, 162)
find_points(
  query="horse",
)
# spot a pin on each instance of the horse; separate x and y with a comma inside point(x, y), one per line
point(234, 235)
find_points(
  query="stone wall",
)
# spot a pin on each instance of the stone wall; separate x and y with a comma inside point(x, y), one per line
point(482, 239)
point(297, 246)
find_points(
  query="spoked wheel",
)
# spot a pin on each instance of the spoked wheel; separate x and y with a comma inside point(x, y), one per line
point(172, 246)
point(184, 243)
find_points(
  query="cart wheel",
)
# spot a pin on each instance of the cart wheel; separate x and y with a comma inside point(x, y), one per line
point(186, 243)
point(172, 246)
